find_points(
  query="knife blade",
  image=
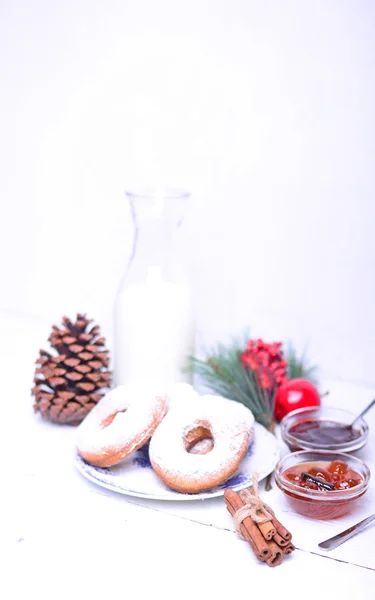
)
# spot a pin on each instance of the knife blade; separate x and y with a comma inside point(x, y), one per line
point(342, 537)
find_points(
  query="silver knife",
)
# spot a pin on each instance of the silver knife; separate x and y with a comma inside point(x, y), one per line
point(340, 538)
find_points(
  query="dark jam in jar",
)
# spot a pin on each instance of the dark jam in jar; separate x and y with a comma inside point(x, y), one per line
point(324, 433)
point(323, 503)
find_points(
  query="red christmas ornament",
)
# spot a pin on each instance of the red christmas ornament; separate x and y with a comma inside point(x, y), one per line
point(293, 394)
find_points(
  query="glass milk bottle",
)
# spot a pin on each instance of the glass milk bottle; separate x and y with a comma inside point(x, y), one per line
point(154, 325)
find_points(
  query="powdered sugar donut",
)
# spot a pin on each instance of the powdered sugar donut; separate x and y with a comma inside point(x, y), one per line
point(202, 444)
point(121, 422)
point(179, 393)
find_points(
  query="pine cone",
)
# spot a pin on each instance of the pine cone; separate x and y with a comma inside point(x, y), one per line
point(69, 384)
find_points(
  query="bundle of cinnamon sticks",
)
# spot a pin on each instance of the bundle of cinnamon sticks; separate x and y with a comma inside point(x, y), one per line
point(269, 540)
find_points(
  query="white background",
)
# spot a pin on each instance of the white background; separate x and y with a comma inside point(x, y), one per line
point(263, 109)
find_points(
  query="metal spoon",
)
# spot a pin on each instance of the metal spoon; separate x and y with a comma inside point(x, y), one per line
point(342, 537)
point(350, 425)
point(363, 412)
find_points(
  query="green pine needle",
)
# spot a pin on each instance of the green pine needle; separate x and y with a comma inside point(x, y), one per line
point(298, 367)
point(223, 373)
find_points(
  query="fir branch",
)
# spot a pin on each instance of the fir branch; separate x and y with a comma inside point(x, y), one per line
point(222, 372)
point(298, 366)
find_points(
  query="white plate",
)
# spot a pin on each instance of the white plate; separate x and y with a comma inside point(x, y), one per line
point(134, 476)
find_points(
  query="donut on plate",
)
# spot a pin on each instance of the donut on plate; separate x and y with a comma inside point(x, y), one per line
point(180, 393)
point(202, 444)
point(121, 422)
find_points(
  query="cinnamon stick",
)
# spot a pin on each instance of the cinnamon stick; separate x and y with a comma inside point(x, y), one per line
point(248, 528)
point(277, 554)
point(280, 541)
point(268, 529)
point(281, 530)
point(289, 548)
point(246, 535)
point(270, 541)
point(276, 525)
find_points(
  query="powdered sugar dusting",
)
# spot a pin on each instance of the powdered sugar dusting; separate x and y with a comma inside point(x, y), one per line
point(142, 408)
point(230, 424)
point(180, 393)
point(202, 447)
point(130, 478)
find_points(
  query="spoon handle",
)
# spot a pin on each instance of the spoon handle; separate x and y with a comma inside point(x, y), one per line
point(364, 411)
point(340, 538)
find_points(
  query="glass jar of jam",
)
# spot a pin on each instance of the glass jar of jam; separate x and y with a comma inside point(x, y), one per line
point(322, 485)
point(323, 428)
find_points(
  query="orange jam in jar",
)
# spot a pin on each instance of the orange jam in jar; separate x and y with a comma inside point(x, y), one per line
point(337, 474)
point(322, 489)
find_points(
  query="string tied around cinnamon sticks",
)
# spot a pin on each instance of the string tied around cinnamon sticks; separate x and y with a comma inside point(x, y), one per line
point(256, 523)
point(254, 507)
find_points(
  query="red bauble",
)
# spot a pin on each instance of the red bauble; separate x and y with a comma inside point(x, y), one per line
point(293, 394)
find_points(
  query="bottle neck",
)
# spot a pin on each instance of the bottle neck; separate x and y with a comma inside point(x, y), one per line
point(155, 240)
point(156, 253)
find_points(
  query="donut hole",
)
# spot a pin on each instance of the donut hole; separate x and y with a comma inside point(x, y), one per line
point(199, 440)
point(108, 420)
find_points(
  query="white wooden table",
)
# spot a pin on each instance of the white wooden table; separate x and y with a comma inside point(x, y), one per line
point(63, 536)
